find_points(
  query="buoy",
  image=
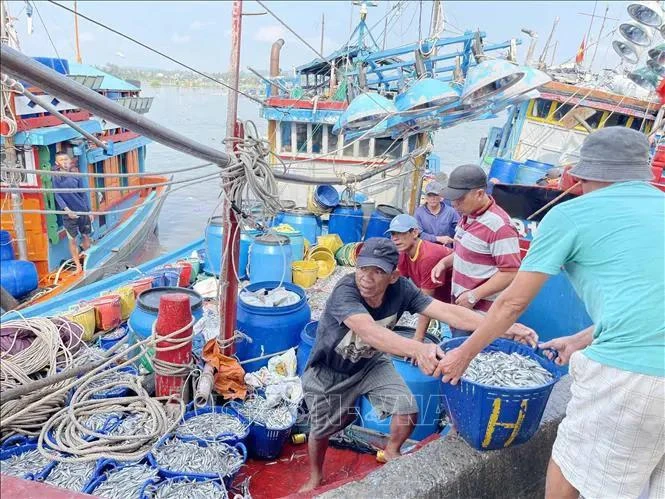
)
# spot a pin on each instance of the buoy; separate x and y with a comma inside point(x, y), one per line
point(299, 438)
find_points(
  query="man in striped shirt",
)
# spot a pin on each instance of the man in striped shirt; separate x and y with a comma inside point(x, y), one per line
point(486, 254)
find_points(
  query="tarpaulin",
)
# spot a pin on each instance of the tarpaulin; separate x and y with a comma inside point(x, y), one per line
point(229, 374)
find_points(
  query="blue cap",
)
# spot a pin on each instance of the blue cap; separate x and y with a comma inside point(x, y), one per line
point(378, 252)
point(403, 223)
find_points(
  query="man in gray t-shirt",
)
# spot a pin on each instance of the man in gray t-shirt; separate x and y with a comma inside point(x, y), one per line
point(348, 361)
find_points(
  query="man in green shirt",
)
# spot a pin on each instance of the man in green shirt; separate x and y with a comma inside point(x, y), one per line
point(611, 243)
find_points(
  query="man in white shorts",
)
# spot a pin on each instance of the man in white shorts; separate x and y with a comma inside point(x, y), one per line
point(610, 242)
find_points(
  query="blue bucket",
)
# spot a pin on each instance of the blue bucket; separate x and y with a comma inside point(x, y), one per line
point(158, 280)
point(503, 170)
point(307, 339)
point(171, 277)
point(528, 175)
point(539, 165)
point(326, 196)
point(111, 339)
point(227, 438)
point(481, 413)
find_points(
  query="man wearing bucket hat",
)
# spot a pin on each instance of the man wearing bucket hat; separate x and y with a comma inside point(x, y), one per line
point(437, 220)
point(610, 242)
point(348, 361)
point(486, 253)
point(417, 258)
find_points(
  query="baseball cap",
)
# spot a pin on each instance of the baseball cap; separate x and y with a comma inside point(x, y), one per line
point(378, 252)
point(403, 223)
point(463, 179)
point(433, 188)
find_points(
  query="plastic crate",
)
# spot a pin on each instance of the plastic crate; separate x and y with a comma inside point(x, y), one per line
point(146, 493)
point(44, 474)
point(489, 417)
point(227, 438)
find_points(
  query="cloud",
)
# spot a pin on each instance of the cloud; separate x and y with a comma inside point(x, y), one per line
point(198, 25)
point(179, 39)
point(86, 36)
point(269, 33)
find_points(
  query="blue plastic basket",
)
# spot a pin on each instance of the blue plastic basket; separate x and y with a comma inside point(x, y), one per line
point(17, 450)
point(118, 392)
point(105, 468)
point(227, 438)
point(326, 196)
point(267, 443)
point(145, 493)
point(44, 474)
point(17, 441)
point(168, 473)
point(112, 338)
point(489, 417)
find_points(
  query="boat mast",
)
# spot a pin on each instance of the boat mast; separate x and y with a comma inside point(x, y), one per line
point(600, 34)
point(76, 34)
point(11, 159)
point(323, 26)
point(228, 280)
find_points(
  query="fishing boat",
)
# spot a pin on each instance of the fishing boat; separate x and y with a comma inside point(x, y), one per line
point(111, 162)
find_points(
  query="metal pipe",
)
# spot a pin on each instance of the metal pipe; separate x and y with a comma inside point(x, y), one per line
point(274, 62)
point(204, 386)
point(23, 67)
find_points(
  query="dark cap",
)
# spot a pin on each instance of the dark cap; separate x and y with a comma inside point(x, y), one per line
point(463, 179)
point(378, 252)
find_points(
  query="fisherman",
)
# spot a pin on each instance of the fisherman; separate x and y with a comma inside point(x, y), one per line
point(437, 220)
point(347, 359)
point(417, 258)
point(486, 254)
point(72, 202)
point(610, 242)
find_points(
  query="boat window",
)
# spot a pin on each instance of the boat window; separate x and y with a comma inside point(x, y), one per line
point(301, 138)
point(541, 108)
point(561, 111)
point(363, 148)
point(124, 181)
point(317, 138)
point(348, 150)
point(616, 119)
point(594, 120)
point(413, 140)
point(636, 124)
point(332, 140)
point(285, 131)
point(387, 146)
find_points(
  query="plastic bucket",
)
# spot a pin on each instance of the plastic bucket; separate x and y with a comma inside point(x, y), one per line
point(85, 317)
point(325, 260)
point(127, 300)
point(158, 280)
point(111, 339)
point(140, 285)
point(304, 273)
point(490, 417)
point(108, 312)
point(185, 273)
point(503, 171)
point(172, 277)
point(196, 268)
point(307, 339)
point(326, 197)
point(331, 241)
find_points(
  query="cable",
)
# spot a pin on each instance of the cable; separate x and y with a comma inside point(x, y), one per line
point(46, 29)
point(114, 175)
point(134, 40)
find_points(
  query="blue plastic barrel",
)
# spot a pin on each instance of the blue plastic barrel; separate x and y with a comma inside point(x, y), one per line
point(18, 277)
point(380, 220)
point(214, 243)
point(347, 221)
point(270, 259)
point(305, 222)
point(425, 389)
point(272, 329)
point(147, 306)
point(297, 242)
point(539, 164)
point(246, 238)
point(6, 249)
point(503, 170)
point(326, 196)
point(528, 175)
point(307, 339)
point(471, 405)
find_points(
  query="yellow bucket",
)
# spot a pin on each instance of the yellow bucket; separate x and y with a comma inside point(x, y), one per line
point(331, 241)
point(127, 300)
point(85, 317)
point(325, 260)
point(304, 273)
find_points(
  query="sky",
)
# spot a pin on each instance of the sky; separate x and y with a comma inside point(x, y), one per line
point(198, 33)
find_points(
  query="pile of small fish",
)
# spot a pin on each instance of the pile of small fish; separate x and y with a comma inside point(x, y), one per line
point(87, 355)
point(186, 489)
point(215, 459)
point(126, 482)
point(22, 464)
point(107, 377)
point(72, 476)
point(211, 425)
point(256, 410)
point(98, 420)
point(506, 370)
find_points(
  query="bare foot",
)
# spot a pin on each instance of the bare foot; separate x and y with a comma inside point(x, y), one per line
point(78, 270)
point(388, 454)
point(312, 483)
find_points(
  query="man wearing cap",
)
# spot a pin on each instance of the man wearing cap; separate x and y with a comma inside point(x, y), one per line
point(437, 220)
point(486, 253)
point(610, 242)
point(417, 258)
point(348, 361)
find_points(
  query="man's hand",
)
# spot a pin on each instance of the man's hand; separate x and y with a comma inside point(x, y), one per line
point(92, 218)
point(444, 240)
point(463, 301)
point(523, 334)
point(452, 366)
point(427, 357)
point(565, 347)
point(438, 271)
point(70, 214)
